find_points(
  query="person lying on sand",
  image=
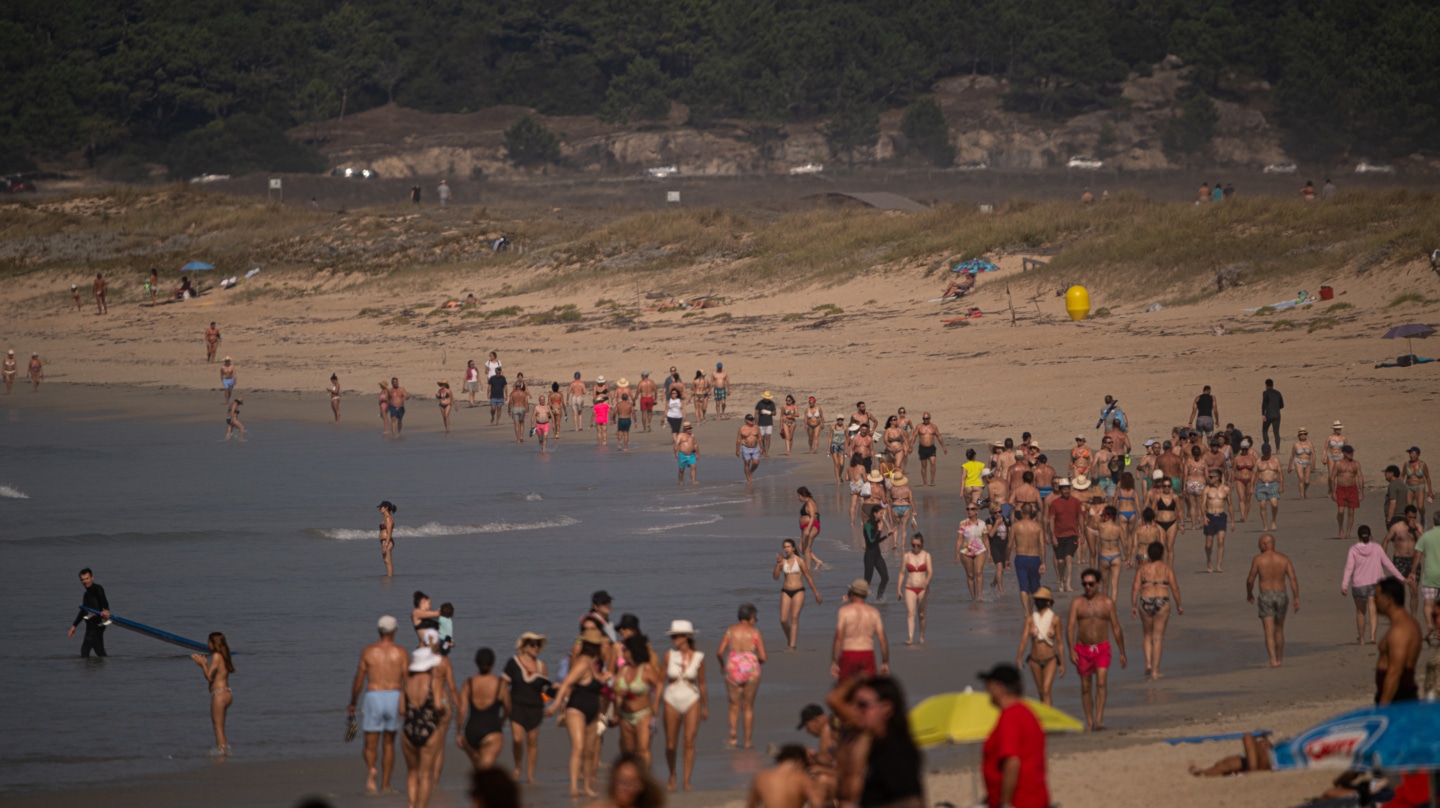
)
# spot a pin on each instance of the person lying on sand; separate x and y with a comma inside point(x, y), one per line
point(1257, 758)
point(960, 286)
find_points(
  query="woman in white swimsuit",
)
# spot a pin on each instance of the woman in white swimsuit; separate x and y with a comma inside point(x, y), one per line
point(334, 391)
point(1302, 459)
point(970, 550)
point(814, 419)
point(217, 669)
point(1044, 634)
point(1333, 444)
point(685, 697)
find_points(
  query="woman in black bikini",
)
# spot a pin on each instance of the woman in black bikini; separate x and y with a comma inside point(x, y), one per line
point(1044, 633)
point(483, 698)
point(1166, 505)
point(445, 399)
point(580, 696)
point(1155, 585)
point(421, 696)
point(425, 618)
point(792, 590)
point(528, 680)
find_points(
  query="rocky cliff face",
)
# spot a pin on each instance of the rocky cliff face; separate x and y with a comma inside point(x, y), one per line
point(404, 143)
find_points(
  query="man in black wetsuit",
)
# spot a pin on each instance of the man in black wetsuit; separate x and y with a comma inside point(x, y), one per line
point(94, 623)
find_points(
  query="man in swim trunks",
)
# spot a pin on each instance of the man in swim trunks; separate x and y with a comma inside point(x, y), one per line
point(645, 391)
point(380, 675)
point(864, 417)
point(1272, 569)
point(499, 386)
point(519, 408)
point(1092, 618)
point(1028, 539)
point(1269, 485)
point(1172, 463)
point(212, 341)
point(720, 384)
point(857, 628)
point(1044, 479)
point(575, 400)
point(1217, 520)
point(1417, 481)
point(99, 289)
point(544, 418)
point(1400, 541)
point(1347, 488)
point(687, 452)
point(927, 437)
point(398, 396)
point(861, 447)
point(747, 446)
point(1064, 520)
point(227, 378)
point(1399, 649)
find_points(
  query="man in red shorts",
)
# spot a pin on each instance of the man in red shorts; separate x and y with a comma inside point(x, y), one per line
point(1347, 488)
point(646, 391)
point(1091, 620)
point(857, 628)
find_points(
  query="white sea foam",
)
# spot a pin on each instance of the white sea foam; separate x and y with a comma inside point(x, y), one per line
point(10, 493)
point(693, 506)
point(437, 529)
point(711, 519)
point(533, 497)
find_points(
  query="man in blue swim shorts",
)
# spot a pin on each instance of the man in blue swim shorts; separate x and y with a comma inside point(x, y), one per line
point(380, 675)
point(227, 378)
point(1269, 485)
point(747, 446)
point(1027, 537)
point(687, 451)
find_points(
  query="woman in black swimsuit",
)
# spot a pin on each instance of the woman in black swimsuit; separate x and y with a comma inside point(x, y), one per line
point(529, 679)
point(424, 616)
point(420, 741)
point(1155, 585)
point(483, 698)
point(580, 695)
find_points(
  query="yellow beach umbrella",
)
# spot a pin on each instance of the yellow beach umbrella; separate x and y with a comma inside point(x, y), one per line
point(969, 717)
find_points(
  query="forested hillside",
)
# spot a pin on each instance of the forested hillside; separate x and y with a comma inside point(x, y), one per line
point(212, 84)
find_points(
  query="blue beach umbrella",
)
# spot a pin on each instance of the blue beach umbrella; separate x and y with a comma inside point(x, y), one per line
point(196, 266)
point(975, 266)
point(1402, 737)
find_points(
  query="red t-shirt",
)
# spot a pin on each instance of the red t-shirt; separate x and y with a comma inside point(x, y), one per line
point(1017, 735)
point(1067, 515)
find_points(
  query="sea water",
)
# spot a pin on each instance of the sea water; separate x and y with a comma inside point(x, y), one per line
point(274, 542)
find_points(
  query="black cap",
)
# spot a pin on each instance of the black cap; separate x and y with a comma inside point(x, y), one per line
point(600, 598)
point(629, 621)
point(808, 713)
point(1007, 675)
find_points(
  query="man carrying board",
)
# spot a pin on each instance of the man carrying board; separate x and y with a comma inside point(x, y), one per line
point(94, 623)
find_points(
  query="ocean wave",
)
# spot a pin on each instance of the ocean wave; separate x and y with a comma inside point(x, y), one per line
point(11, 493)
point(533, 497)
point(436, 529)
point(693, 506)
point(713, 518)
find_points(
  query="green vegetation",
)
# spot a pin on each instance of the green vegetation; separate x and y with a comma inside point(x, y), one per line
point(528, 142)
point(828, 309)
point(1334, 307)
point(1192, 132)
point(924, 125)
point(1282, 325)
point(605, 301)
point(792, 317)
point(129, 83)
point(1100, 313)
point(567, 313)
point(1409, 297)
point(1264, 311)
point(370, 312)
point(1320, 324)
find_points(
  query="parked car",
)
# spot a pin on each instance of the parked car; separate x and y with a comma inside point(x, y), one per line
point(808, 168)
point(661, 172)
point(1280, 168)
point(1367, 167)
point(204, 178)
point(1085, 163)
point(16, 185)
point(352, 173)
point(978, 165)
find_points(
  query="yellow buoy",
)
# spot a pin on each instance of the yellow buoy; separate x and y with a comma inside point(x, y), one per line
point(1077, 302)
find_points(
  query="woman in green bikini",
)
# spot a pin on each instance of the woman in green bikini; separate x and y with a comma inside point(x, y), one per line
point(637, 686)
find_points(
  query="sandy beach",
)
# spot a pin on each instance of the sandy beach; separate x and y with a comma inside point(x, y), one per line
point(988, 378)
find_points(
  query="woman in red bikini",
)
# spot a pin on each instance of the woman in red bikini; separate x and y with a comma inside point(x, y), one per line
point(809, 526)
point(915, 586)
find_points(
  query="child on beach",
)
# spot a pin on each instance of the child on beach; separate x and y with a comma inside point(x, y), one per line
point(447, 627)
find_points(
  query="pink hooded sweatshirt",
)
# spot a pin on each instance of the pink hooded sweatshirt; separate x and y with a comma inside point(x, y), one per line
point(1366, 565)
